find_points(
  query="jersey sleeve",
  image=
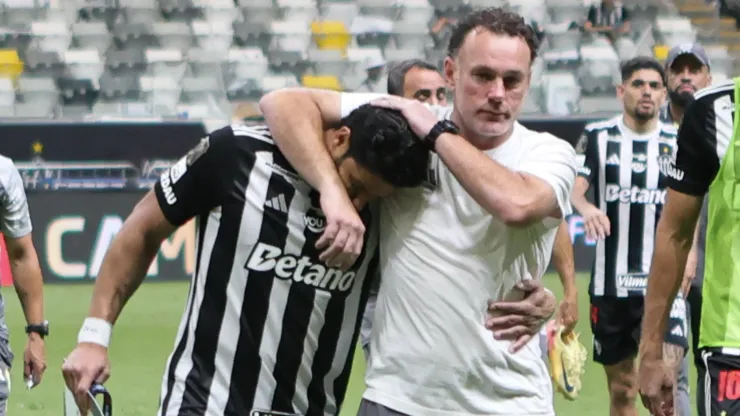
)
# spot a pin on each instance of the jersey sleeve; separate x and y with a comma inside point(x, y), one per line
point(587, 156)
point(554, 161)
point(696, 162)
point(200, 180)
point(15, 220)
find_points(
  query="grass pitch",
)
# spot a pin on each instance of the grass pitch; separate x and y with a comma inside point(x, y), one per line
point(144, 337)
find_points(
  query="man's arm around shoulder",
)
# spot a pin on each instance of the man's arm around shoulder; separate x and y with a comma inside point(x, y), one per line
point(538, 188)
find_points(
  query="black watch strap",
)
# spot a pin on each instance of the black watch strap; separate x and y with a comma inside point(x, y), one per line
point(41, 329)
point(442, 126)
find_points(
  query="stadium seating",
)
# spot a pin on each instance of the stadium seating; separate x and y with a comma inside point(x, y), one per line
point(73, 58)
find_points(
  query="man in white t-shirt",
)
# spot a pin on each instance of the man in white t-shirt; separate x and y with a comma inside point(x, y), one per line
point(455, 251)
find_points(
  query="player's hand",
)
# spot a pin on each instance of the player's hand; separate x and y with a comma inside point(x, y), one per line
point(343, 237)
point(520, 321)
point(596, 224)
point(656, 385)
point(568, 312)
point(34, 359)
point(87, 364)
point(420, 118)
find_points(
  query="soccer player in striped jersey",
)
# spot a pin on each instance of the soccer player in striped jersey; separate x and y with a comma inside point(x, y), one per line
point(269, 328)
point(625, 162)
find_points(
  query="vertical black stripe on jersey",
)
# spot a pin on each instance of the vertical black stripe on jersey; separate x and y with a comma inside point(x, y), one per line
point(211, 312)
point(296, 319)
point(329, 337)
point(637, 211)
point(180, 348)
point(611, 243)
point(340, 384)
point(247, 361)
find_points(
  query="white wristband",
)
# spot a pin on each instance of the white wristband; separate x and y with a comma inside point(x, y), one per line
point(95, 331)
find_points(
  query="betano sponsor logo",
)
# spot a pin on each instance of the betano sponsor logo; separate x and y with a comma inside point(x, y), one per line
point(300, 269)
point(634, 195)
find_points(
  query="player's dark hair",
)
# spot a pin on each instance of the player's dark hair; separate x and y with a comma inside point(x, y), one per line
point(495, 20)
point(398, 71)
point(633, 65)
point(383, 143)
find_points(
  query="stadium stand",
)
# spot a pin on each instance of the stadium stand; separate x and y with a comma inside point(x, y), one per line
point(74, 58)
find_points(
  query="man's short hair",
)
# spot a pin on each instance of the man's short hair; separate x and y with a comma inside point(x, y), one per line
point(398, 71)
point(383, 143)
point(498, 21)
point(633, 65)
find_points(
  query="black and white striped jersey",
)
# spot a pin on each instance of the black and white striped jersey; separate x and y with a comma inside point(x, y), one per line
point(706, 131)
point(627, 172)
point(267, 328)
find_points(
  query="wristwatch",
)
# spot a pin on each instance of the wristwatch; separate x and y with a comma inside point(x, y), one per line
point(42, 329)
point(442, 126)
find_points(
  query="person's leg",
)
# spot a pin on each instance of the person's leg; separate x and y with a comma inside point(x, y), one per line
point(4, 388)
point(683, 403)
point(613, 322)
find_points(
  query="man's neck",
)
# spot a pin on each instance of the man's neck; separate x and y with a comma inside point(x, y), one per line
point(481, 143)
point(639, 126)
point(676, 112)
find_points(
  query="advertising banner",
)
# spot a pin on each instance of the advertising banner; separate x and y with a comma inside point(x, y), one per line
point(73, 230)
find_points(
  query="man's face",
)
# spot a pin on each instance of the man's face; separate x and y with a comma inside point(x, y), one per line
point(686, 75)
point(362, 186)
point(426, 86)
point(642, 94)
point(490, 76)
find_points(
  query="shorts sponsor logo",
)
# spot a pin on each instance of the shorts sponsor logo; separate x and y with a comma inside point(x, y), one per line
point(632, 281)
point(268, 258)
point(634, 195)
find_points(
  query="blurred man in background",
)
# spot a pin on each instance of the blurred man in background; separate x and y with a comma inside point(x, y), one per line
point(15, 225)
point(625, 162)
point(688, 70)
point(418, 80)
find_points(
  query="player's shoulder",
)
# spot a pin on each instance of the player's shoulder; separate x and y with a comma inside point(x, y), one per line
point(542, 140)
point(714, 92)
point(601, 125)
point(667, 130)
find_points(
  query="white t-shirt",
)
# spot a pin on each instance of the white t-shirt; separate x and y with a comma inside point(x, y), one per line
point(443, 257)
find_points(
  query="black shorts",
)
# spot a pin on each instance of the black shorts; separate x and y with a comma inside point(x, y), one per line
point(616, 324)
point(722, 381)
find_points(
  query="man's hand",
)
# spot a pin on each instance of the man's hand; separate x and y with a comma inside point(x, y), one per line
point(420, 119)
point(343, 237)
point(87, 364)
point(568, 312)
point(656, 386)
point(596, 223)
point(520, 321)
point(34, 359)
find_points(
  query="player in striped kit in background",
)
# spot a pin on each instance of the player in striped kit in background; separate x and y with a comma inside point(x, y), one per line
point(626, 160)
